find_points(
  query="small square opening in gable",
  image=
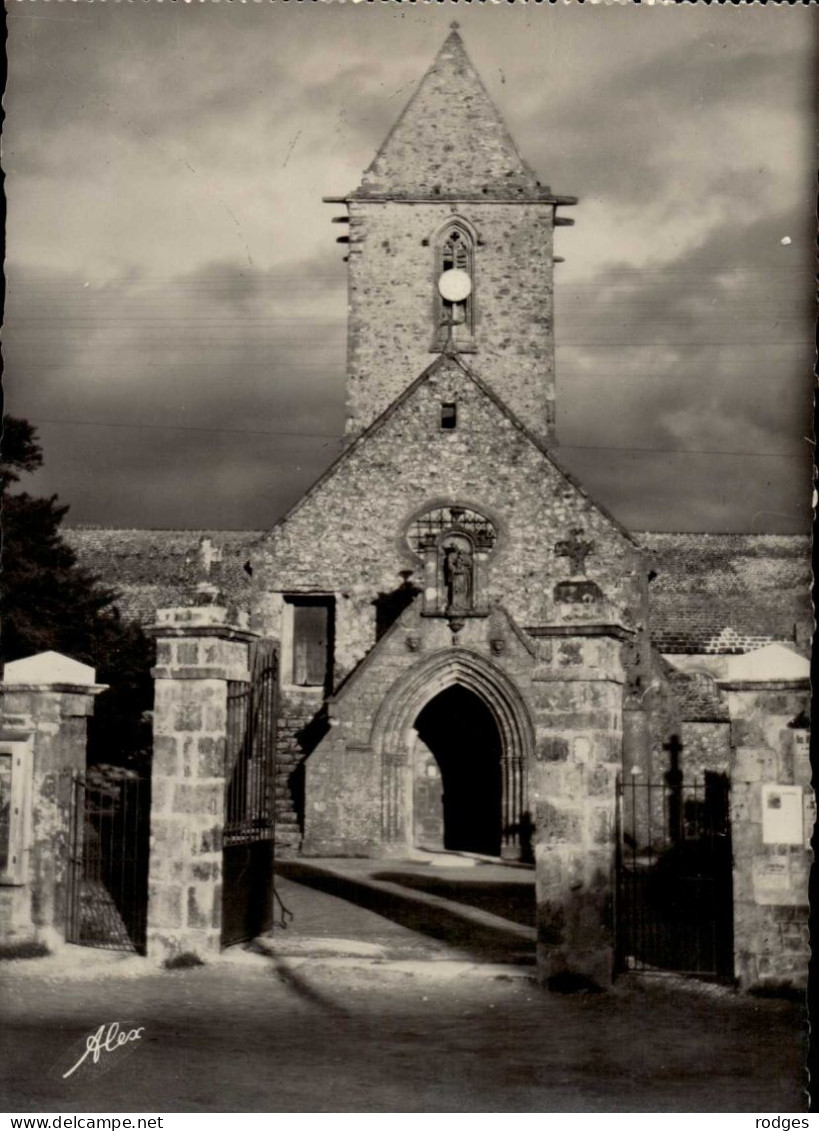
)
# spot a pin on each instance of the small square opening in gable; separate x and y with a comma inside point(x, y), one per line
point(449, 415)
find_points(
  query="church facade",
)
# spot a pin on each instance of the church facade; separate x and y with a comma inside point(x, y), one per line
point(466, 655)
point(455, 611)
point(453, 650)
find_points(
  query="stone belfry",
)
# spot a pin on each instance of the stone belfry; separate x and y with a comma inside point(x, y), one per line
point(449, 190)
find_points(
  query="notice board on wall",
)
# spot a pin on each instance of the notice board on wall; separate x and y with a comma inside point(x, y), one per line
point(782, 820)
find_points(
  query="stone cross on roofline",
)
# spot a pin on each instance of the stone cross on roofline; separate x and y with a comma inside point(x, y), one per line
point(576, 550)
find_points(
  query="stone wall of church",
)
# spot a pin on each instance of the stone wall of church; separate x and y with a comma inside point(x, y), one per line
point(393, 270)
point(558, 704)
point(345, 795)
point(347, 537)
point(295, 738)
point(706, 748)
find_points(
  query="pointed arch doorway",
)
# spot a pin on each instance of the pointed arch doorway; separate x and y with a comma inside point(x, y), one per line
point(468, 713)
point(457, 775)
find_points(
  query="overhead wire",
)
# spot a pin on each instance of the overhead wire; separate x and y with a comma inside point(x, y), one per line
point(337, 436)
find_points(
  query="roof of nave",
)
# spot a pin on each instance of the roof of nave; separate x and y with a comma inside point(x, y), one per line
point(728, 593)
point(155, 569)
point(713, 593)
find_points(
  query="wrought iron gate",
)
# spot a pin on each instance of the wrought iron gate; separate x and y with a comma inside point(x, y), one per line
point(250, 767)
point(674, 907)
point(107, 888)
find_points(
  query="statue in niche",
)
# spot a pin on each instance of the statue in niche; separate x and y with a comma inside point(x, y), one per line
point(458, 575)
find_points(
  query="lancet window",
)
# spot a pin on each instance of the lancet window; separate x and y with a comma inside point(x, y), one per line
point(455, 251)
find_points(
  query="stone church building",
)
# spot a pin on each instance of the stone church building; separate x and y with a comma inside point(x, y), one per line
point(452, 606)
point(473, 653)
point(464, 629)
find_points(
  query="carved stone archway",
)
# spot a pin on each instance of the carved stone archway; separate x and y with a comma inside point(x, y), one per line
point(393, 734)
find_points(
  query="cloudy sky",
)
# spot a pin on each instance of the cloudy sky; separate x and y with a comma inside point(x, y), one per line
point(175, 322)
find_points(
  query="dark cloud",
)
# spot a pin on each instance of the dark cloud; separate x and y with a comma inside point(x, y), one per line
point(709, 354)
point(171, 263)
point(695, 100)
point(178, 375)
point(657, 491)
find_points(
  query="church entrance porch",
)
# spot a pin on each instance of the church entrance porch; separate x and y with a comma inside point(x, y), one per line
point(453, 736)
point(457, 781)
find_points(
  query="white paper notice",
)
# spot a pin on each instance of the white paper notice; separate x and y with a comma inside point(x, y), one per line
point(782, 814)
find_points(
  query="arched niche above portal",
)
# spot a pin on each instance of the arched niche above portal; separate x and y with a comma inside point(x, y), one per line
point(455, 544)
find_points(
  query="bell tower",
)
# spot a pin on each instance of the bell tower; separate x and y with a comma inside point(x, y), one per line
point(451, 241)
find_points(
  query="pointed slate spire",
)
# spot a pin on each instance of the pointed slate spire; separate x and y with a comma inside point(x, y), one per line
point(450, 141)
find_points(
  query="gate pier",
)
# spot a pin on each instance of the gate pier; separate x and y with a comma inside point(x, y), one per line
point(46, 702)
point(199, 653)
point(579, 709)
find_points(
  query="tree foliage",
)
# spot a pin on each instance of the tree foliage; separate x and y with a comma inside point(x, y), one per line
point(50, 603)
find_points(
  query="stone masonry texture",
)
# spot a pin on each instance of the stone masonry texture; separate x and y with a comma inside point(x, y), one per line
point(450, 158)
point(392, 327)
point(450, 138)
point(56, 718)
point(563, 697)
point(756, 584)
point(771, 900)
point(347, 537)
point(198, 653)
point(555, 675)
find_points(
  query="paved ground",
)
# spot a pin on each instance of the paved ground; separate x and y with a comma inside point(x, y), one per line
point(482, 914)
point(352, 1011)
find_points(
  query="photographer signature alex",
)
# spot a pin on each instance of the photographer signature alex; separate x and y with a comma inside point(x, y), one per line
point(105, 1039)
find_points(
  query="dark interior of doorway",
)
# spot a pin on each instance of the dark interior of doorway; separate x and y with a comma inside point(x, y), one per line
point(462, 734)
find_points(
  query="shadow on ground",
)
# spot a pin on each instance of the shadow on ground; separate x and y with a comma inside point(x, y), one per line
point(509, 901)
point(482, 942)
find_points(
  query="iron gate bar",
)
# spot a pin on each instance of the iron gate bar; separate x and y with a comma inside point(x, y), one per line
point(107, 882)
point(250, 818)
point(673, 898)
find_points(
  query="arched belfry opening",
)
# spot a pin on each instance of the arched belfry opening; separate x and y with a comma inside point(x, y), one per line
point(457, 775)
point(455, 741)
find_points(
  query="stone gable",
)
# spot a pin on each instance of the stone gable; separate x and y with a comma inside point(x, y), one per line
point(347, 536)
point(344, 772)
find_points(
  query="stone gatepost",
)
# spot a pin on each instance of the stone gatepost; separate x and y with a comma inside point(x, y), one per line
point(198, 653)
point(773, 811)
point(46, 702)
point(578, 697)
